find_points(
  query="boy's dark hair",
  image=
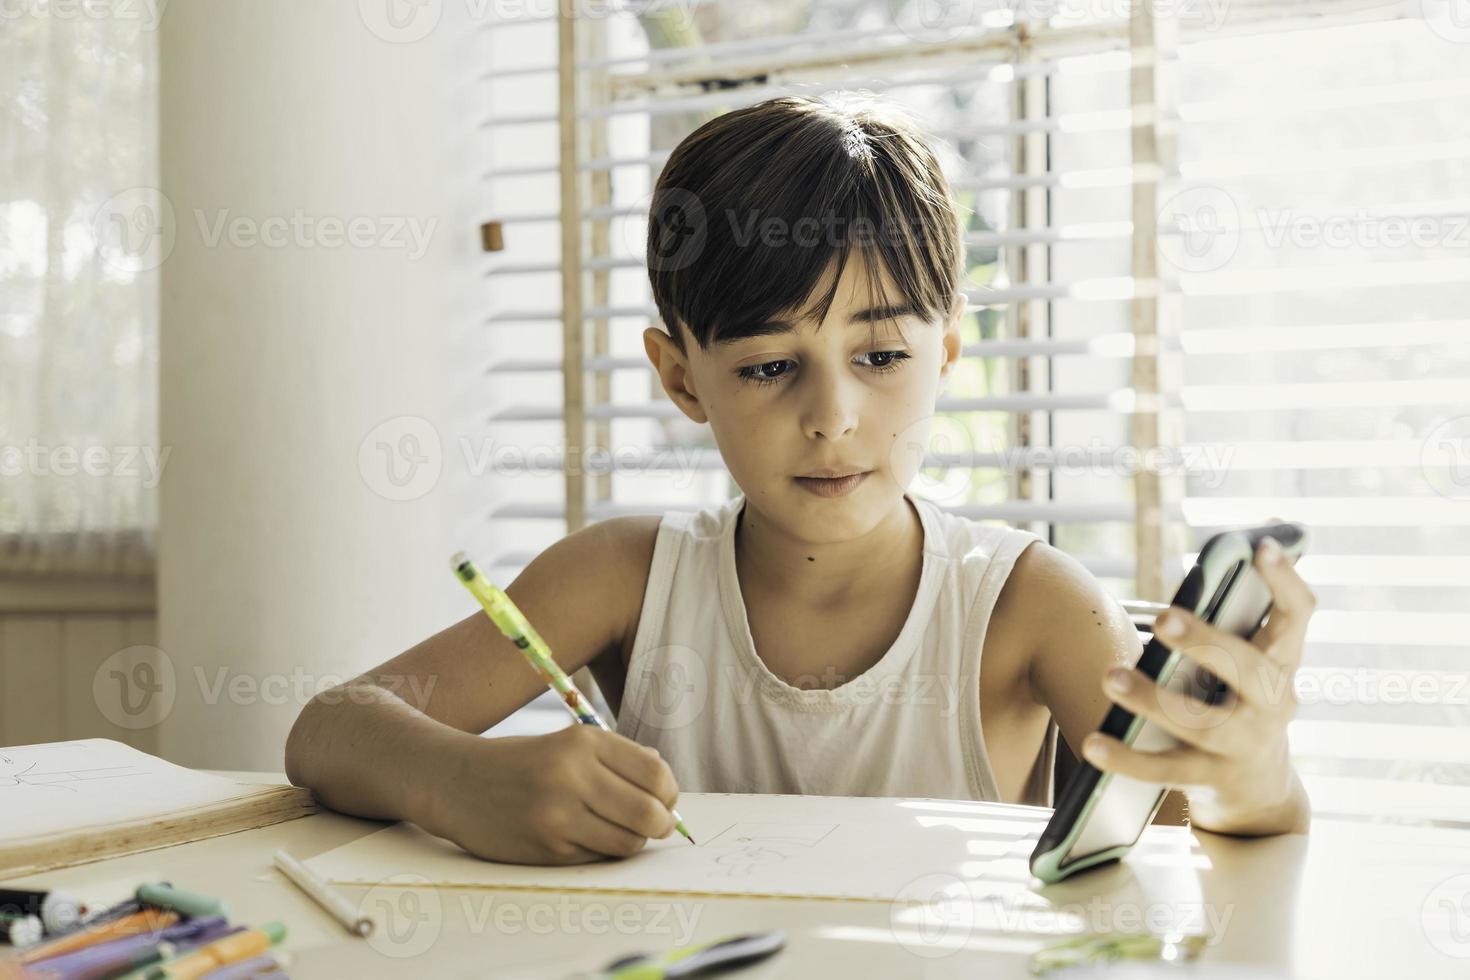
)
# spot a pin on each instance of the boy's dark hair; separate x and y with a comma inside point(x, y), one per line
point(756, 204)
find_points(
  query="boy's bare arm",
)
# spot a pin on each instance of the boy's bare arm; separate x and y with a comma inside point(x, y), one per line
point(1232, 767)
point(1050, 596)
point(393, 743)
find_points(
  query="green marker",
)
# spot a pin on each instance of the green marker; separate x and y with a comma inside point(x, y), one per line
point(510, 621)
point(690, 961)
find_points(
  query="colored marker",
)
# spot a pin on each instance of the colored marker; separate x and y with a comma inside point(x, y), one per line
point(20, 928)
point(56, 909)
point(147, 920)
point(513, 623)
point(120, 955)
point(190, 904)
point(243, 945)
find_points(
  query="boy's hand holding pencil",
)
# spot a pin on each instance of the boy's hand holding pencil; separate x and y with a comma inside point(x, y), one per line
point(573, 796)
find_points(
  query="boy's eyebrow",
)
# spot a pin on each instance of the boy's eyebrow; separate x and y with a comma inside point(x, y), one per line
point(872, 314)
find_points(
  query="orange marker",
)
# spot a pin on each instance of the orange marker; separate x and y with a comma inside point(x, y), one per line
point(134, 924)
point(231, 949)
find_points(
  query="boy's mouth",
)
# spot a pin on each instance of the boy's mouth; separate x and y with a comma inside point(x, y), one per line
point(831, 486)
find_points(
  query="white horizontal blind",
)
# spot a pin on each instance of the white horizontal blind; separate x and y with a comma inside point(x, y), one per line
point(1292, 382)
point(985, 99)
point(1322, 244)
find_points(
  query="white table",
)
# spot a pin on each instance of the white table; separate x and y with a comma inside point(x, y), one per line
point(1349, 900)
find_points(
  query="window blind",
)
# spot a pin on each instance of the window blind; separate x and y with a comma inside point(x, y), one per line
point(1154, 348)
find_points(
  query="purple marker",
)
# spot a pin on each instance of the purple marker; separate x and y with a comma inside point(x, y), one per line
point(266, 967)
point(117, 955)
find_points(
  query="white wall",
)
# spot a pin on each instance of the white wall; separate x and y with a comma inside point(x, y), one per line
point(280, 560)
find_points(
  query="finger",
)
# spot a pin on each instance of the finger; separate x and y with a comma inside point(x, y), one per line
point(642, 766)
point(1174, 767)
point(1208, 727)
point(603, 837)
point(615, 799)
point(1292, 604)
point(1244, 667)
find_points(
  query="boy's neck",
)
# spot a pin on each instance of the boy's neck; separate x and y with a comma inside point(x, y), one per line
point(827, 576)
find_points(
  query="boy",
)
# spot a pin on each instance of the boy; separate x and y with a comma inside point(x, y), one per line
point(824, 631)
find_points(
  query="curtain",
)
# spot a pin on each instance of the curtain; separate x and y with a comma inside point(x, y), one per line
point(83, 229)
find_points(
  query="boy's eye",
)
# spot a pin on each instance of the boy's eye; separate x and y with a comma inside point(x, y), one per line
point(882, 361)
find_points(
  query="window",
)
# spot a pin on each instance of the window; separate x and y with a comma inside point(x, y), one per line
point(1187, 312)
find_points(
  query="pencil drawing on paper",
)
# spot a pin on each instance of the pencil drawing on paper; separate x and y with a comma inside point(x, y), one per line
point(754, 845)
point(739, 862)
point(747, 833)
point(15, 772)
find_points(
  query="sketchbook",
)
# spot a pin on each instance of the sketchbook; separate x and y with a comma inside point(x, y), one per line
point(877, 848)
point(68, 803)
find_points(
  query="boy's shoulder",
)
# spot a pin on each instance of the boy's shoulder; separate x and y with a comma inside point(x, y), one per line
point(624, 546)
point(1048, 597)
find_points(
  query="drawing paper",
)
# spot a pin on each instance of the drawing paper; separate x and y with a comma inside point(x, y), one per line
point(837, 847)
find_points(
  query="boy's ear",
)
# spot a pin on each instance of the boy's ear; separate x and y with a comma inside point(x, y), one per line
point(951, 339)
point(673, 372)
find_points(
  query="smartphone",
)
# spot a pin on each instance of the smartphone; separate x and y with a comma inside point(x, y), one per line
point(1099, 815)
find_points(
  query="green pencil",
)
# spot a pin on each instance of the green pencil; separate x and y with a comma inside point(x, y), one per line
point(510, 621)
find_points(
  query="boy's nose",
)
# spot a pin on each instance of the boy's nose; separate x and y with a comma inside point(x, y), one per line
point(832, 411)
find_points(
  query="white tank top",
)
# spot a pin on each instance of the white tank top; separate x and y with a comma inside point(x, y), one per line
point(908, 726)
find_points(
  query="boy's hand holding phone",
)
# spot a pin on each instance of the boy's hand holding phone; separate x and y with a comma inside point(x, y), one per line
point(1234, 765)
point(577, 795)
